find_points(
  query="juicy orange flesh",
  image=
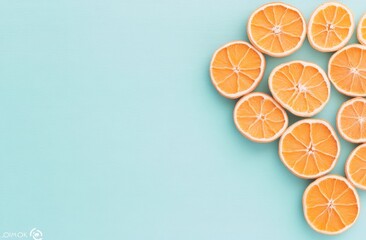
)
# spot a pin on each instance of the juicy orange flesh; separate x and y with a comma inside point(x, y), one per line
point(353, 120)
point(357, 166)
point(301, 87)
point(236, 68)
point(348, 70)
point(331, 205)
point(363, 28)
point(331, 26)
point(277, 28)
point(309, 149)
point(260, 117)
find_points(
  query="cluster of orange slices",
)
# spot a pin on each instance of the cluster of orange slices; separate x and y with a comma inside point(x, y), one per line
point(309, 148)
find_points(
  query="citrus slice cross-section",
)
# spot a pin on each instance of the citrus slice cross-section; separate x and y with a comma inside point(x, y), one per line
point(356, 167)
point(331, 204)
point(236, 69)
point(347, 70)
point(309, 148)
point(260, 118)
point(301, 87)
point(351, 120)
point(330, 27)
point(361, 30)
point(277, 29)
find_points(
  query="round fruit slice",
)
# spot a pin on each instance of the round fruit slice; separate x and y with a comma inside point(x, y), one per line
point(301, 87)
point(260, 118)
point(330, 27)
point(356, 167)
point(331, 204)
point(347, 70)
point(351, 120)
point(236, 69)
point(277, 29)
point(309, 148)
point(361, 30)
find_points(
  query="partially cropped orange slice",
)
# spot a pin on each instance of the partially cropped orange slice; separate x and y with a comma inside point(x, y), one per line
point(309, 148)
point(236, 69)
point(330, 27)
point(331, 204)
point(259, 118)
point(347, 70)
point(356, 167)
point(351, 120)
point(361, 30)
point(277, 29)
point(301, 87)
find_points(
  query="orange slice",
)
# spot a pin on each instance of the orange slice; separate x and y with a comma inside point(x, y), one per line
point(309, 148)
point(351, 120)
point(330, 27)
point(236, 69)
point(361, 30)
point(331, 204)
point(356, 167)
point(347, 70)
point(301, 87)
point(276, 29)
point(259, 118)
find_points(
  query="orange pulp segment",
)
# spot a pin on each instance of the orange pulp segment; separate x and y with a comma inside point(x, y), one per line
point(347, 70)
point(361, 30)
point(331, 204)
point(356, 167)
point(259, 117)
point(330, 27)
point(309, 148)
point(351, 120)
point(277, 29)
point(236, 69)
point(301, 87)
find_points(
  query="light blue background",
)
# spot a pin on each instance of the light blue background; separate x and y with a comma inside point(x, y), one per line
point(111, 129)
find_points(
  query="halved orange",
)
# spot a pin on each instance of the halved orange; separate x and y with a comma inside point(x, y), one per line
point(361, 30)
point(236, 69)
point(356, 167)
point(331, 204)
point(347, 70)
point(301, 87)
point(260, 118)
point(330, 27)
point(309, 148)
point(276, 29)
point(351, 120)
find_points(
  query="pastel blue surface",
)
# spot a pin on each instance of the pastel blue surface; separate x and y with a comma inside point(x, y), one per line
point(111, 129)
